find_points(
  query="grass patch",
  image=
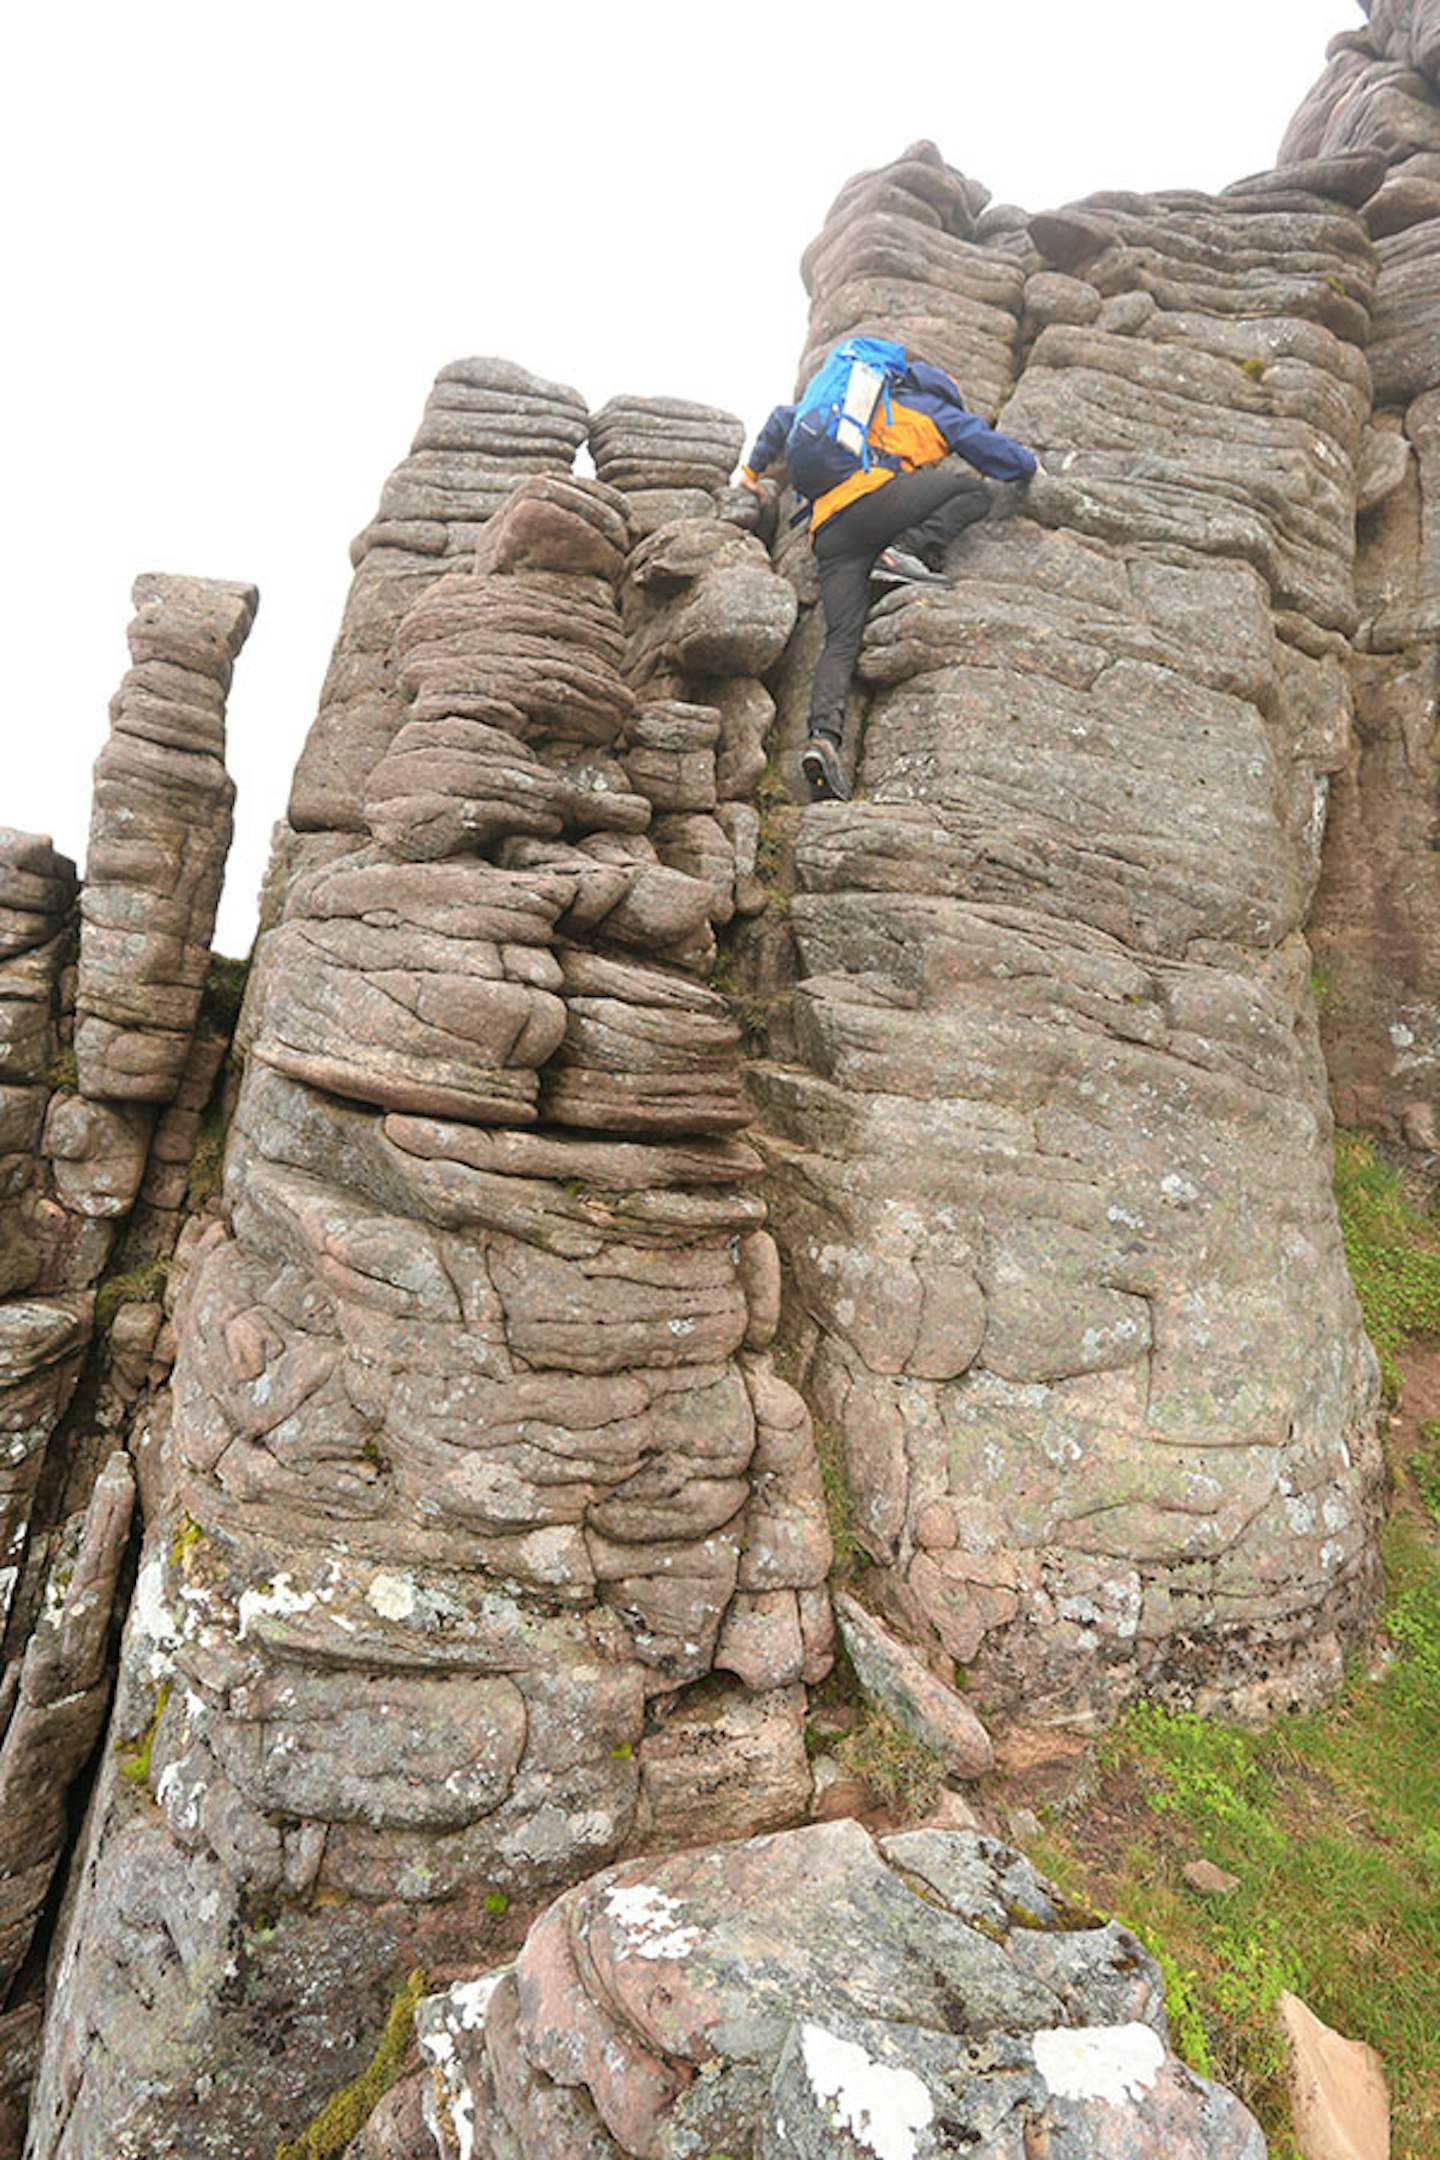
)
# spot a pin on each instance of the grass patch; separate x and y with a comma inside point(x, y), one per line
point(849, 1561)
point(1332, 1824)
point(1393, 1253)
point(326, 2137)
point(207, 1161)
point(901, 1771)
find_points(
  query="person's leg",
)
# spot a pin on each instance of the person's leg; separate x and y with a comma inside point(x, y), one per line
point(845, 600)
point(965, 503)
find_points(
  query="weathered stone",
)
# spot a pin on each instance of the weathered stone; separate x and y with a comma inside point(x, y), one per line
point(488, 425)
point(808, 1993)
point(1338, 2095)
point(929, 1711)
point(1090, 790)
point(159, 835)
point(60, 1708)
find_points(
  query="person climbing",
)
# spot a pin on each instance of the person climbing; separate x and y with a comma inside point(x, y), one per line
point(868, 448)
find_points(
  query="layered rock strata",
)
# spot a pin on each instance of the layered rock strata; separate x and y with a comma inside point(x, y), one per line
point(669, 457)
point(107, 1068)
point(816, 1994)
point(160, 832)
point(487, 425)
point(1376, 926)
point(1047, 1124)
point(480, 1481)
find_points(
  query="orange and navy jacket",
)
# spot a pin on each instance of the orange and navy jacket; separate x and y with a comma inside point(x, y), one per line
point(926, 419)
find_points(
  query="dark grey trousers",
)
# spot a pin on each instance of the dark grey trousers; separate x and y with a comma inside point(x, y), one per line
point(919, 511)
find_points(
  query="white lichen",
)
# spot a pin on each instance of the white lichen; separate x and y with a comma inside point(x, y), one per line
point(391, 1596)
point(1115, 2063)
point(277, 1599)
point(880, 2106)
point(649, 1918)
point(150, 1616)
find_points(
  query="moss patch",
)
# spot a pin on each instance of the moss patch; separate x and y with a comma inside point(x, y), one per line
point(344, 2113)
point(135, 1754)
point(137, 1286)
point(224, 993)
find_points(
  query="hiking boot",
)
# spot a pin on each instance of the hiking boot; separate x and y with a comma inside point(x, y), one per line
point(892, 566)
point(820, 767)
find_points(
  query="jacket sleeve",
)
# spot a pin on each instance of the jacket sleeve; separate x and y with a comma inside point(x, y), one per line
point(985, 447)
point(771, 440)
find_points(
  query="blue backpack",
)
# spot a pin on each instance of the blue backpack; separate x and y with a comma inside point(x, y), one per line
point(826, 443)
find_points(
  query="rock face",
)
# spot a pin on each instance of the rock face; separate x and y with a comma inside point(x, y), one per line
point(1376, 921)
point(159, 835)
point(105, 1070)
point(1045, 1114)
point(815, 1994)
point(478, 1464)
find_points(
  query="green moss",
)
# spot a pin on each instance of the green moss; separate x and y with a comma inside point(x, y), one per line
point(207, 1161)
point(223, 995)
point(144, 1285)
point(1254, 368)
point(61, 1072)
point(1424, 1467)
point(496, 1903)
point(1392, 1250)
point(135, 1754)
point(344, 2113)
point(187, 1536)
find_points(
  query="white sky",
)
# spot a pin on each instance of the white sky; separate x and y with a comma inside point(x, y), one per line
point(243, 238)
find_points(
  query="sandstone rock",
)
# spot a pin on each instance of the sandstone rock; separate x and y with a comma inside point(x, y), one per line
point(646, 444)
point(1031, 841)
point(930, 1711)
point(800, 1993)
point(456, 1468)
point(159, 835)
point(60, 1708)
point(719, 1759)
point(1338, 2094)
point(488, 425)
point(1211, 1881)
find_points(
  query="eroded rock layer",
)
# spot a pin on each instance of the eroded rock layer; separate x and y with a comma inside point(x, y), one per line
point(1049, 1153)
point(1376, 926)
point(159, 835)
point(487, 1540)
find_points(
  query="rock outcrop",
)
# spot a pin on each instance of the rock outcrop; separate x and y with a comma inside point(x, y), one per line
point(611, 1128)
point(479, 1480)
point(107, 1066)
point(815, 1994)
point(1376, 921)
point(1045, 1114)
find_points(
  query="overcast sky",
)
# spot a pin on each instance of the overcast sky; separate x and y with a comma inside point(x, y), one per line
point(241, 241)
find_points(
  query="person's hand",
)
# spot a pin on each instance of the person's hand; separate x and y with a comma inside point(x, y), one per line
point(748, 480)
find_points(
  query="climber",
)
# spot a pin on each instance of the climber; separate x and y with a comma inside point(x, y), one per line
point(900, 498)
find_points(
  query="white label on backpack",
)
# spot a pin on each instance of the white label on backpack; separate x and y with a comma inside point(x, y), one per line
point(857, 410)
